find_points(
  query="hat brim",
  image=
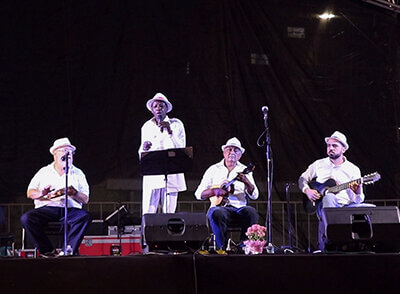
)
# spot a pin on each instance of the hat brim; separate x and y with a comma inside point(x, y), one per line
point(241, 148)
point(150, 102)
point(337, 139)
point(54, 148)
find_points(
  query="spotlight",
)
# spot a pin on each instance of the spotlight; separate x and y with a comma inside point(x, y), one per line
point(326, 15)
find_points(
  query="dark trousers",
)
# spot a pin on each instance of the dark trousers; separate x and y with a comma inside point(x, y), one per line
point(35, 222)
point(221, 218)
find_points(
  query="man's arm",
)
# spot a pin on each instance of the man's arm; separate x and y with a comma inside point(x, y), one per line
point(213, 192)
point(178, 135)
point(249, 187)
point(36, 193)
point(303, 181)
point(80, 197)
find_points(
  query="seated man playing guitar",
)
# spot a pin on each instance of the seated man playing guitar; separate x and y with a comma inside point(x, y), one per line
point(334, 168)
point(228, 184)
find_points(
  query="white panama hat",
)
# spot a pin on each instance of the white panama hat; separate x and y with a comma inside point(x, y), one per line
point(338, 136)
point(235, 143)
point(62, 142)
point(159, 97)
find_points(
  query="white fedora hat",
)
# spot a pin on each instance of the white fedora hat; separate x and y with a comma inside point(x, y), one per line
point(338, 136)
point(159, 97)
point(233, 142)
point(59, 143)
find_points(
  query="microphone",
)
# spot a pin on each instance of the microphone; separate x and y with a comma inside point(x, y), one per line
point(65, 156)
point(264, 110)
point(158, 119)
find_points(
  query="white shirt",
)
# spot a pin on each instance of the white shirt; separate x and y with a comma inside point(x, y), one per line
point(49, 176)
point(323, 170)
point(216, 174)
point(162, 141)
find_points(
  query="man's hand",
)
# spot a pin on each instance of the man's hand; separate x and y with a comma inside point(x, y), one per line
point(219, 192)
point(241, 177)
point(46, 190)
point(72, 191)
point(313, 195)
point(355, 187)
point(147, 145)
point(165, 125)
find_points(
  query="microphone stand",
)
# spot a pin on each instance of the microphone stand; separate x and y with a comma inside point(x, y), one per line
point(159, 119)
point(268, 153)
point(66, 246)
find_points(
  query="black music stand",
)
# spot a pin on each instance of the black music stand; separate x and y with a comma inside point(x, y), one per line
point(166, 162)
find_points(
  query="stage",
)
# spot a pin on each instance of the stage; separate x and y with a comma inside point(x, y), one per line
point(196, 273)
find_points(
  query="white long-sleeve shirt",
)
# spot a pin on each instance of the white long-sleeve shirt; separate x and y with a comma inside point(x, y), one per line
point(216, 174)
point(162, 141)
point(323, 169)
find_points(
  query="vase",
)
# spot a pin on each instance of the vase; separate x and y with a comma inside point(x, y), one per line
point(254, 247)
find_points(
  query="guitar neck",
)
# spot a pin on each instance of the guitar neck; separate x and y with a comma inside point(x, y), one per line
point(343, 186)
point(226, 185)
point(247, 170)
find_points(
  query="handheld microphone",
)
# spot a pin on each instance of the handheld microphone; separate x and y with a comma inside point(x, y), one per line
point(158, 122)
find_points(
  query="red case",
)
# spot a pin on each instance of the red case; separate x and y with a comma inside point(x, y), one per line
point(101, 245)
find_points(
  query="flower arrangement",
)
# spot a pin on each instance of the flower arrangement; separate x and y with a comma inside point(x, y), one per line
point(256, 242)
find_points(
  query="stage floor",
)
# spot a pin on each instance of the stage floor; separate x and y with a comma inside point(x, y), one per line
point(196, 273)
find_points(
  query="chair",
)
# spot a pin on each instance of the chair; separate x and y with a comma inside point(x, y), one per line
point(232, 234)
point(54, 231)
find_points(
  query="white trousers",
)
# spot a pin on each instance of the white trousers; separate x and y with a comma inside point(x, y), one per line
point(152, 198)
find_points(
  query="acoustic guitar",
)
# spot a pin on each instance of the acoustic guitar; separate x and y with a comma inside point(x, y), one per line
point(223, 200)
point(330, 186)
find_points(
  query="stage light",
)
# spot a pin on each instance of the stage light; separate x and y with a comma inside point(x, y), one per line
point(326, 16)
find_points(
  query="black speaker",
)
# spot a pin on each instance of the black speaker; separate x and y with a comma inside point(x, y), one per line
point(374, 229)
point(174, 231)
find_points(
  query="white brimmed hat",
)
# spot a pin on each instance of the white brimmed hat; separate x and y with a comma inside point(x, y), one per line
point(59, 143)
point(338, 136)
point(159, 97)
point(233, 142)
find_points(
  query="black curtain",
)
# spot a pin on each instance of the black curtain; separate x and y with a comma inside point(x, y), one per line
point(84, 69)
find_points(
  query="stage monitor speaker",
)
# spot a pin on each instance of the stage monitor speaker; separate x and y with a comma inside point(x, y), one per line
point(174, 231)
point(374, 229)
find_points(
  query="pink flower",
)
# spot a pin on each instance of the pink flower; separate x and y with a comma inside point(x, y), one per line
point(256, 232)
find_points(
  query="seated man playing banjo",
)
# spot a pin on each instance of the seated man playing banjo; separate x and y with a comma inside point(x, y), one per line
point(228, 184)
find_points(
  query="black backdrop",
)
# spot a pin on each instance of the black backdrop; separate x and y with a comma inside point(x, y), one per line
point(84, 69)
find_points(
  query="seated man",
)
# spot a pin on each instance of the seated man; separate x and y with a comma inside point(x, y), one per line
point(47, 189)
point(234, 211)
point(338, 168)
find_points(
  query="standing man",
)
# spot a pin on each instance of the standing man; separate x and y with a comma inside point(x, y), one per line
point(336, 167)
point(235, 211)
point(47, 189)
point(161, 133)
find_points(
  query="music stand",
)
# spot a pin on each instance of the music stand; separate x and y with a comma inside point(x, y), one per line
point(166, 162)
